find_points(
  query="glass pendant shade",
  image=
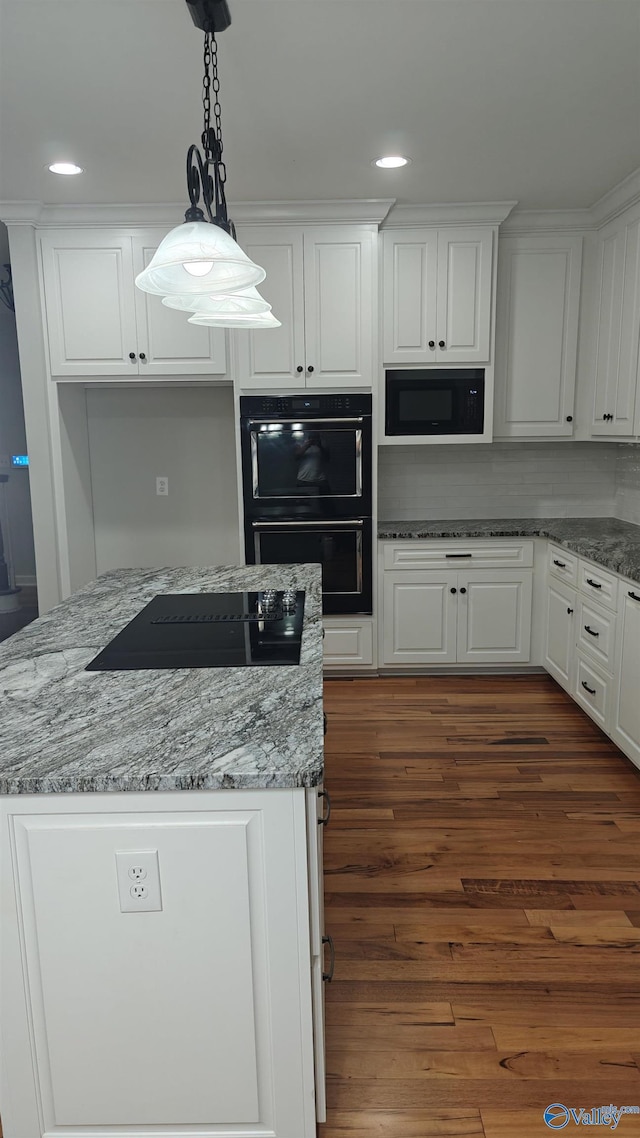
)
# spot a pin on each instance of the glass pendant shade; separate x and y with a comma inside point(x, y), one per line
point(248, 302)
point(260, 320)
point(198, 258)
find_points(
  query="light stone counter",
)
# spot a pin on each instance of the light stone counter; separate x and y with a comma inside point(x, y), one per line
point(63, 729)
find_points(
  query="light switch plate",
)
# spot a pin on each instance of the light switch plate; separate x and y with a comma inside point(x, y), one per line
point(138, 873)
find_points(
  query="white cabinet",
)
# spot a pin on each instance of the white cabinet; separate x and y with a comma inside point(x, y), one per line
point(446, 616)
point(97, 323)
point(321, 284)
point(626, 719)
point(618, 328)
point(560, 632)
point(200, 1012)
point(437, 287)
point(537, 335)
point(347, 643)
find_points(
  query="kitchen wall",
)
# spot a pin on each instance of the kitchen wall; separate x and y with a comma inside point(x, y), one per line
point(19, 538)
point(500, 480)
point(185, 434)
point(628, 483)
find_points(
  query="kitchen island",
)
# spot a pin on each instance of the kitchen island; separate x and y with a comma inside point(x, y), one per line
point(161, 877)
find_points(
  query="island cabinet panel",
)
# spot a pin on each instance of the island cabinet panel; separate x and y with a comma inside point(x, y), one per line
point(626, 720)
point(195, 1015)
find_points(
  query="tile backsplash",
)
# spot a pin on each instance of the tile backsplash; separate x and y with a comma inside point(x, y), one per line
point(509, 480)
point(627, 505)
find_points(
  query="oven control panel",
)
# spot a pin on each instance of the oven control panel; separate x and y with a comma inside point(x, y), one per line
point(313, 405)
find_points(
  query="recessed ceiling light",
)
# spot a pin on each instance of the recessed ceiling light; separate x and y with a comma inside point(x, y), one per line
point(391, 161)
point(65, 168)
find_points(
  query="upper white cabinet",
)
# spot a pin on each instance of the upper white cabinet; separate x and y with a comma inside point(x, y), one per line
point(321, 284)
point(437, 295)
point(99, 324)
point(537, 335)
point(618, 328)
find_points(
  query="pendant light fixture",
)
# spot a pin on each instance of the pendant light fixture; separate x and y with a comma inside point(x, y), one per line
point(261, 320)
point(199, 265)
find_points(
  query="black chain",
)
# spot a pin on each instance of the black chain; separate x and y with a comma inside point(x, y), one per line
point(199, 175)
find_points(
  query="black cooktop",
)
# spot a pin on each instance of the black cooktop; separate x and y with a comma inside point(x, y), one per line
point(208, 630)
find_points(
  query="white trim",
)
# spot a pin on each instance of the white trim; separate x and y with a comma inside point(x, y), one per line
point(623, 195)
point(369, 211)
point(525, 221)
point(453, 213)
point(26, 581)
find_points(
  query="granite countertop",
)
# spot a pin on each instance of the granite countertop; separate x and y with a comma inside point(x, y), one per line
point(63, 729)
point(611, 543)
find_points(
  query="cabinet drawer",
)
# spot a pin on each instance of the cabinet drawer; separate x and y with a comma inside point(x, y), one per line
point(562, 564)
point(597, 583)
point(348, 644)
point(596, 632)
point(457, 555)
point(593, 691)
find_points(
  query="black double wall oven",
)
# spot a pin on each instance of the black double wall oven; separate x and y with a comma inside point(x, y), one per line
point(306, 477)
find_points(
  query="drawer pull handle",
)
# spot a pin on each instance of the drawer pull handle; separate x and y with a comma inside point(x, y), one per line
point(328, 976)
point(594, 584)
point(324, 821)
point(451, 555)
point(590, 631)
point(592, 691)
point(560, 564)
point(634, 596)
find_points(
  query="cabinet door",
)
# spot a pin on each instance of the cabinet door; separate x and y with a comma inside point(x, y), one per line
point(464, 295)
point(494, 616)
point(616, 376)
point(89, 302)
point(271, 358)
point(419, 618)
point(559, 657)
point(338, 306)
point(626, 719)
point(166, 343)
point(537, 335)
point(409, 295)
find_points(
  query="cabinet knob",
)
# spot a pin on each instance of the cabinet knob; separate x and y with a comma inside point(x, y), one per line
point(441, 343)
point(432, 343)
point(570, 612)
point(142, 356)
point(569, 418)
point(463, 590)
point(310, 369)
point(132, 355)
point(453, 590)
point(299, 368)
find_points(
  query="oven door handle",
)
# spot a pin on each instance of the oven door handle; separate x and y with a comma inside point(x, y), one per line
point(353, 524)
point(315, 423)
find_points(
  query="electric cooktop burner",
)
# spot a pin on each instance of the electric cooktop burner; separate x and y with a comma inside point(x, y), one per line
point(209, 630)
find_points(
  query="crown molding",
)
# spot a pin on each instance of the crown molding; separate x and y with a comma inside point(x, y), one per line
point(452, 213)
point(370, 211)
point(526, 221)
point(621, 197)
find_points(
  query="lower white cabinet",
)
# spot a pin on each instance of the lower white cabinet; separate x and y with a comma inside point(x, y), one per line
point(347, 643)
point(472, 616)
point(626, 718)
point(196, 1016)
point(560, 632)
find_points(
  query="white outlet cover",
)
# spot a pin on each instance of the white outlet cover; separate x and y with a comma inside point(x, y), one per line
point(138, 871)
point(162, 485)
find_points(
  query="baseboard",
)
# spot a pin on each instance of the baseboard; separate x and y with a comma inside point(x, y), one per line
point(26, 580)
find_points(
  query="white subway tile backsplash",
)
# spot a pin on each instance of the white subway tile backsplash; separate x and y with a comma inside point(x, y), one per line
point(506, 480)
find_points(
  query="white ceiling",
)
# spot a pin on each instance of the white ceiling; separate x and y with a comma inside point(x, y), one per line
point(532, 100)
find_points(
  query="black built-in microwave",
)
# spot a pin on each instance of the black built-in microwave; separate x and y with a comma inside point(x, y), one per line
point(434, 401)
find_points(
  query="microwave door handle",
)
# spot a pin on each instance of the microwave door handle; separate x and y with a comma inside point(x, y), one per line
point(353, 524)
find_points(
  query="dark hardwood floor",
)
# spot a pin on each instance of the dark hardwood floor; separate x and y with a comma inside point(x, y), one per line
point(483, 891)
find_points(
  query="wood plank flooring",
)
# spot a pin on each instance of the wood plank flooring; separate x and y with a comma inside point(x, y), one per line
point(482, 886)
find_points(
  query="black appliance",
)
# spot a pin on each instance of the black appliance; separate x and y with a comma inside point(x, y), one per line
point(306, 476)
point(434, 401)
point(208, 630)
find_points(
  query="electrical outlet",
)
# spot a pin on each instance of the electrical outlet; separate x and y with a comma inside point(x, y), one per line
point(162, 486)
point(138, 873)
